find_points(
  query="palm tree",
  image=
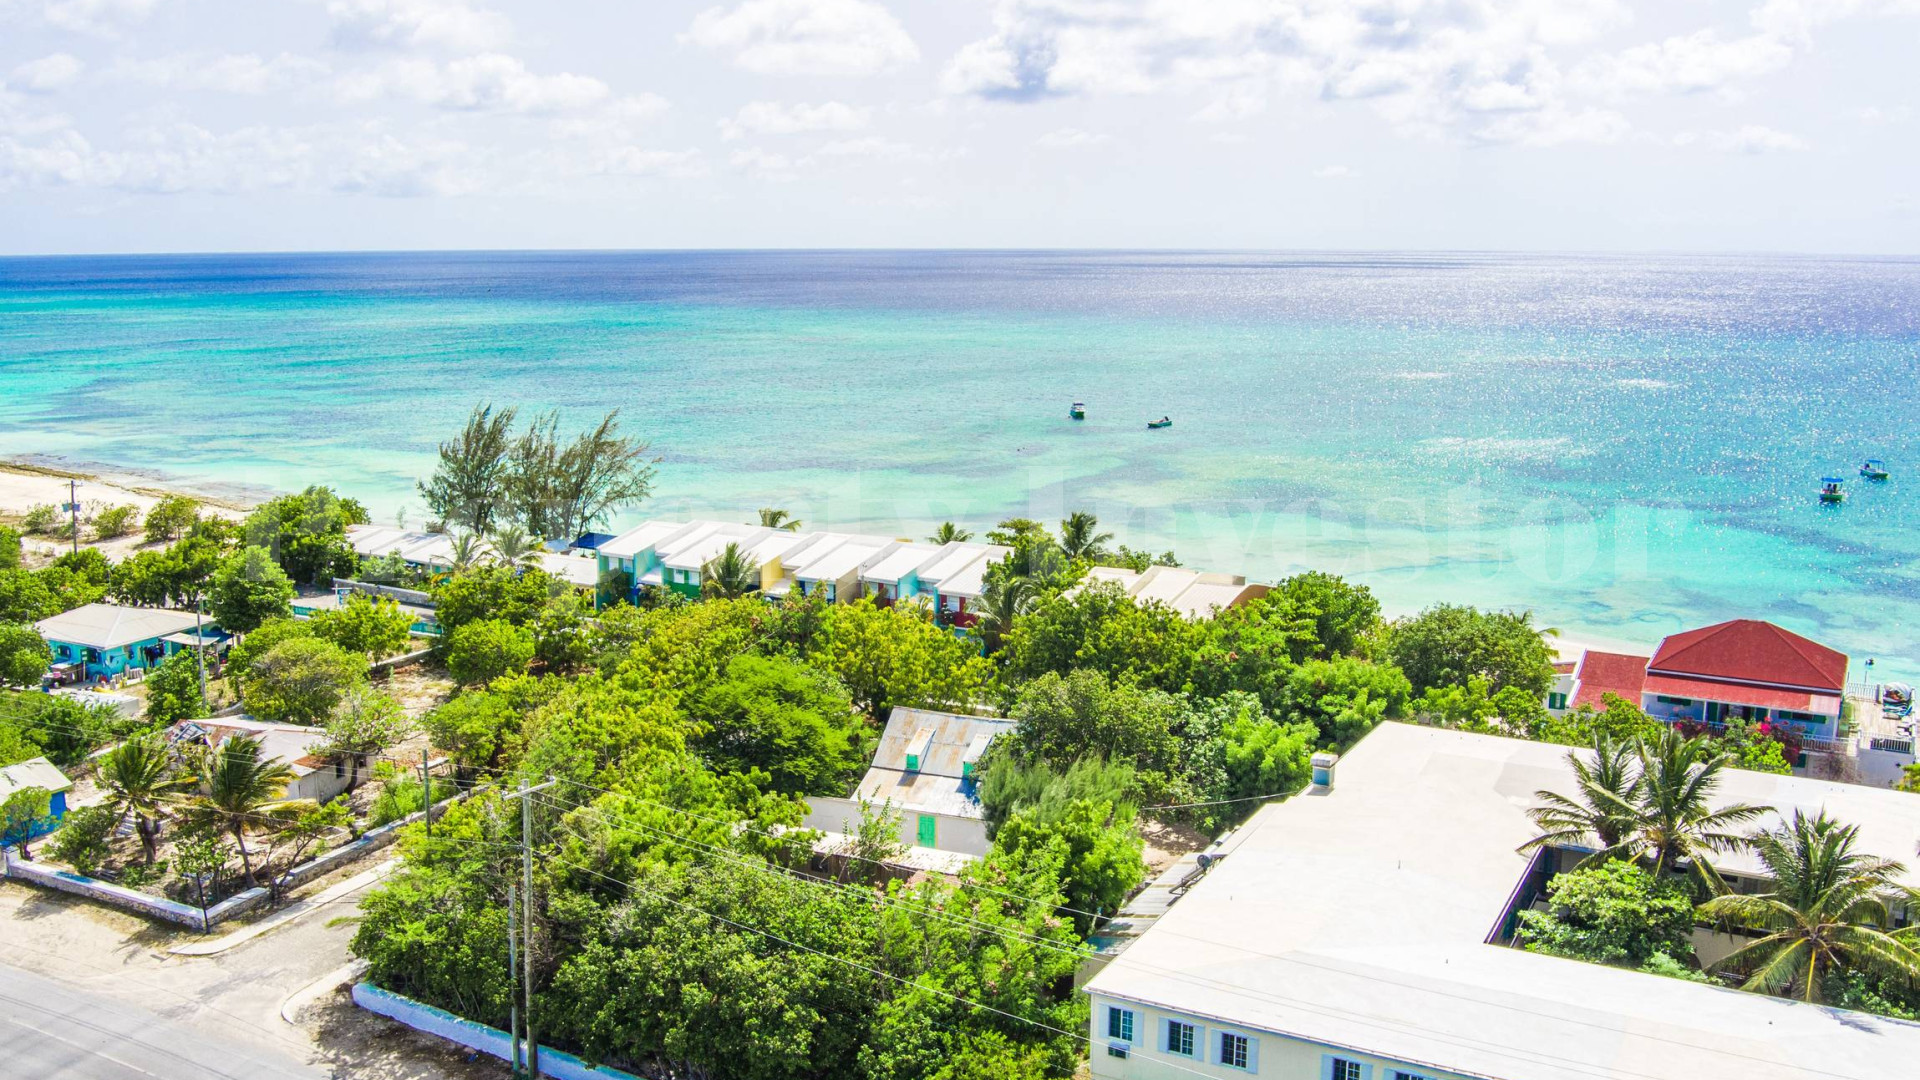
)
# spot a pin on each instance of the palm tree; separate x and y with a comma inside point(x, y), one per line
point(1604, 807)
point(239, 787)
point(1080, 537)
point(771, 518)
point(466, 551)
point(514, 547)
point(729, 574)
point(1675, 824)
point(1005, 599)
point(949, 533)
point(1829, 909)
point(139, 778)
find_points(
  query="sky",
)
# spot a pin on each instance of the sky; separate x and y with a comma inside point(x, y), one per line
point(1632, 125)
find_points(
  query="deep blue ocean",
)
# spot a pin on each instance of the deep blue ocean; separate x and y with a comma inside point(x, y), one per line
point(1627, 445)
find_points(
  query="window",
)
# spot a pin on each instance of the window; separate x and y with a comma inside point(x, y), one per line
point(1556, 701)
point(1344, 1069)
point(1673, 700)
point(1233, 1050)
point(1180, 1038)
point(1120, 1024)
point(1402, 1074)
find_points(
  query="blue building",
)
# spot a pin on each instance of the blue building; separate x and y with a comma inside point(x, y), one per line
point(37, 773)
point(101, 641)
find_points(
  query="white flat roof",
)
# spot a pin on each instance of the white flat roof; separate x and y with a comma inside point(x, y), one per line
point(1357, 918)
point(957, 556)
point(844, 559)
point(969, 580)
point(904, 560)
point(699, 547)
point(639, 538)
point(775, 545)
point(110, 626)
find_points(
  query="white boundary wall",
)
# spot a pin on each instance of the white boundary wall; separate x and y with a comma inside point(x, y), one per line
point(473, 1035)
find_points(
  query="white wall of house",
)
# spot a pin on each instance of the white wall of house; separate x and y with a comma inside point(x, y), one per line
point(965, 835)
point(1149, 1057)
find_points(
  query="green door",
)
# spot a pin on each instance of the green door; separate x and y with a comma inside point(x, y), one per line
point(926, 831)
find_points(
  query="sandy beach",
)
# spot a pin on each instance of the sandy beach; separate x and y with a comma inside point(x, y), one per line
point(24, 486)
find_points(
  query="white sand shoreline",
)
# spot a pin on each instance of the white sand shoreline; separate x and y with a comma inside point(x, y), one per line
point(25, 484)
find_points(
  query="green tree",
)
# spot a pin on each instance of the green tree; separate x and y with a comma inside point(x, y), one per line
point(730, 574)
point(1001, 606)
point(170, 518)
point(9, 548)
point(140, 780)
point(949, 533)
point(176, 577)
point(1618, 719)
point(1344, 698)
point(201, 857)
point(1085, 715)
point(781, 719)
point(1754, 748)
point(173, 690)
point(248, 589)
point(307, 533)
point(243, 657)
point(1009, 784)
point(468, 489)
point(1099, 627)
point(492, 592)
point(22, 813)
point(1611, 912)
point(24, 655)
point(1102, 849)
point(1345, 616)
point(241, 788)
point(564, 490)
point(301, 680)
point(475, 728)
point(772, 518)
point(563, 632)
point(84, 839)
point(480, 652)
point(1447, 644)
point(897, 655)
point(363, 723)
point(374, 626)
point(1081, 538)
point(1263, 757)
point(516, 547)
point(1831, 908)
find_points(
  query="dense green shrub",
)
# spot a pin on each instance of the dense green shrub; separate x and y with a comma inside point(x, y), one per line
point(482, 651)
point(1611, 912)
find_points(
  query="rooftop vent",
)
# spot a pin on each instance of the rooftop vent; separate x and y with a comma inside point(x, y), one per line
point(1323, 763)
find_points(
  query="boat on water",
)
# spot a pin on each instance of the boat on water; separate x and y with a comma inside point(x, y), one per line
point(1165, 421)
point(1830, 491)
point(1079, 410)
point(1874, 469)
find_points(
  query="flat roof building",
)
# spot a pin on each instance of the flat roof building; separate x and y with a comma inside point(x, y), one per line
point(1346, 934)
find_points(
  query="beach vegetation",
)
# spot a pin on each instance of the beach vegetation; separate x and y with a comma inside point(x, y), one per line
point(949, 533)
point(564, 489)
point(1002, 604)
point(306, 534)
point(248, 589)
point(1139, 562)
point(178, 576)
point(899, 656)
point(486, 649)
point(375, 626)
point(301, 680)
point(1448, 644)
point(141, 782)
point(112, 522)
point(514, 547)
point(240, 788)
point(1829, 908)
point(9, 548)
point(42, 519)
point(84, 839)
point(1081, 538)
point(492, 592)
point(170, 518)
point(24, 656)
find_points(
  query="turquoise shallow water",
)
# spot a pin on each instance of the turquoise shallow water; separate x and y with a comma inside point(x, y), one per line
point(1625, 445)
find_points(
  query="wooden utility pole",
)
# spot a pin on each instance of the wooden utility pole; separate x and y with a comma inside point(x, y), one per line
point(524, 794)
point(73, 513)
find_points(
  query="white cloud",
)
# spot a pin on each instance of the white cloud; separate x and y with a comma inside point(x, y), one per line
point(47, 74)
point(232, 73)
point(776, 118)
point(1069, 138)
point(806, 37)
point(1556, 127)
point(1334, 172)
point(104, 17)
point(449, 24)
point(762, 163)
point(1687, 64)
point(1755, 139)
point(491, 82)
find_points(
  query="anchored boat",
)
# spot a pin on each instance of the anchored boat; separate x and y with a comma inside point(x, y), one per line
point(1830, 490)
point(1079, 410)
point(1873, 469)
point(1165, 421)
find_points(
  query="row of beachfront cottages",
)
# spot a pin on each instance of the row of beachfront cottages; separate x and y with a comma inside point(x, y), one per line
point(845, 567)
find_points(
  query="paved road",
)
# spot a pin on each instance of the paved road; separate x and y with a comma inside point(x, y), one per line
point(54, 1031)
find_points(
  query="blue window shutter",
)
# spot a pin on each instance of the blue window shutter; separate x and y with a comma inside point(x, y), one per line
point(1253, 1054)
point(1326, 1067)
point(1166, 1036)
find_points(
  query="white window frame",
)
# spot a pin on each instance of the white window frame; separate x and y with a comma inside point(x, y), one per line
point(1196, 1038)
point(1247, 1059)
point(1120, 1023)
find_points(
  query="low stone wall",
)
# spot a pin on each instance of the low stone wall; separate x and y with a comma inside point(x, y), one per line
point(187, 915)
point(474, 1036)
